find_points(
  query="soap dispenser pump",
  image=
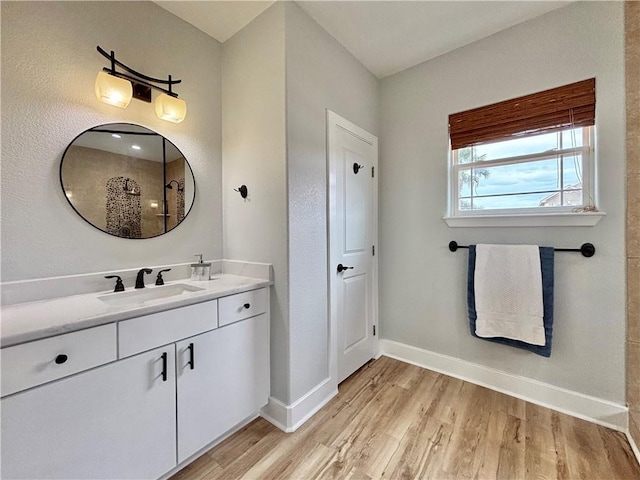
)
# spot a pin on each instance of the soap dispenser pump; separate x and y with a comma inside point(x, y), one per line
point(200, 271)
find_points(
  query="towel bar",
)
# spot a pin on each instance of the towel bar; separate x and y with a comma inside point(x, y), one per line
point(587, 249)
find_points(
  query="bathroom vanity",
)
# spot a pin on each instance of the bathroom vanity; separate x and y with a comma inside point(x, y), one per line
point(93, 388)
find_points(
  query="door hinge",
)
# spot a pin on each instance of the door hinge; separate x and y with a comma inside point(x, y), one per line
point(374, 330)
point(373, 172)
point(373, 250)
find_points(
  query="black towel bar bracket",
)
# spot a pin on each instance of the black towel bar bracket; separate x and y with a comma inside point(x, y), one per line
point(587, 249)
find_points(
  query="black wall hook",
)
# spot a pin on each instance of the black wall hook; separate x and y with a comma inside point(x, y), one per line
point(356, 168)
point(243, 191)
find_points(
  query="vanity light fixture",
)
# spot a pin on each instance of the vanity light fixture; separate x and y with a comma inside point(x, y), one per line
point(171, 108)
point(117, 88)
point(113, 90)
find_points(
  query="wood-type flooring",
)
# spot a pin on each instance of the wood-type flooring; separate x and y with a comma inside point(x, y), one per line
point(392, 420)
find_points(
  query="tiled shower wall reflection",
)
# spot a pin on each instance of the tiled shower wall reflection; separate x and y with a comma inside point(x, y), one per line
point(632, 28)
point(87, 171)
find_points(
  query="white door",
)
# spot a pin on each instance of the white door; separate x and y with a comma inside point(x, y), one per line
point(223, 377)
point(353, 157)
point(116, 421)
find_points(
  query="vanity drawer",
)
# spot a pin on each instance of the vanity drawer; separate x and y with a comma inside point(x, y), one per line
point(34, 363)
point(151, 331)
point(242, 305)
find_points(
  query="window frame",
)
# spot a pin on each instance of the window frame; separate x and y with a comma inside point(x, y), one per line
point(587, 151)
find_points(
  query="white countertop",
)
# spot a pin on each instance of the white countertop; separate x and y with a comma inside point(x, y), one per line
point(25, 322)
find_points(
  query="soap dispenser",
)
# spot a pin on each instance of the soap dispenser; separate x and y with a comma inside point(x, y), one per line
point(200, 271)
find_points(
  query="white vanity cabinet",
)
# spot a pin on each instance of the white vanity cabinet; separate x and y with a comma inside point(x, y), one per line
point(150, 331)
point(222, 378)
point(134, 399)
point(115, 421)
point(34, 363)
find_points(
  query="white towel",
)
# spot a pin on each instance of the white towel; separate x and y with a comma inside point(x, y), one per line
point(508, 293)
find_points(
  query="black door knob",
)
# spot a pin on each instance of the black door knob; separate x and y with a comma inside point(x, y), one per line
point(60, 359)
point(342, 268)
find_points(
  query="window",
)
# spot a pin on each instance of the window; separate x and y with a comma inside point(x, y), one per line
point(528, 155)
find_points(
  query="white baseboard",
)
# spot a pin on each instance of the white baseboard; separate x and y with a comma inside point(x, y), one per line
point(289, 418)
point(593, 409)
point(275, 412)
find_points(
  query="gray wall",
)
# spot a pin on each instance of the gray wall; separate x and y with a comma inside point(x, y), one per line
point(422, 284)
point(321, 75)
point(49, 66)
point(277, 147)
point(254, 154)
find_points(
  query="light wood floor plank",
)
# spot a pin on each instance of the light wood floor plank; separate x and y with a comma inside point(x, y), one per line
point(541, 457)
point(392, 420)
point(235, 446)
point(619, 453)
point(585, 450)
point(421, 449)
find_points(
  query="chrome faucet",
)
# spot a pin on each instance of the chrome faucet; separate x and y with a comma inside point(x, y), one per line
point(140, 277)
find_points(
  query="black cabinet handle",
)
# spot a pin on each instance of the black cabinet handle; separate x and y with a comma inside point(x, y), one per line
point(164, 367)
point(342, 268)
point(60, 359)
point(191, 361)
point(247, 305)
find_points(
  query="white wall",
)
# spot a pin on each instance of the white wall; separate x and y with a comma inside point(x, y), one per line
point(321, 75)
point(422, 284)
point(274, 130)
point(280, 74)
point(49, 65)
point(254, 154)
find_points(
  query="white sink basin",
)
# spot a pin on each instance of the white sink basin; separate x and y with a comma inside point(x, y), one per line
point(148, 294)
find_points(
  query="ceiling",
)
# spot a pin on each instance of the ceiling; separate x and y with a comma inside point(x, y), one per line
point(219, 19)
point(385, 36)
point(149, 147)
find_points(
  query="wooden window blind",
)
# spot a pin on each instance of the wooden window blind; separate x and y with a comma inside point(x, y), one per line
point(571, 105)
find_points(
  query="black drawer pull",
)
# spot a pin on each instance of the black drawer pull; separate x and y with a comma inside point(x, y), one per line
point(164, 367)
point(60, 359)
point(191, 361)
point(247, 305)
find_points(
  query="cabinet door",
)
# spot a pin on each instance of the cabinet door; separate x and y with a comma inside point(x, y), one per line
point(228, 381)
point(116, 422)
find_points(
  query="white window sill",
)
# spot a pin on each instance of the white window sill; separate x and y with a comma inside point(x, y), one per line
point(587, 219)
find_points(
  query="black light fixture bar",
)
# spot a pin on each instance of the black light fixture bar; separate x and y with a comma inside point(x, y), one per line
point(137, 77)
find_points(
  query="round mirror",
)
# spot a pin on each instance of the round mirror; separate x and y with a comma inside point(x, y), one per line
point(127, 180)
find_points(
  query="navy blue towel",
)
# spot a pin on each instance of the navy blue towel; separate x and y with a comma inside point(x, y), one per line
point(546, 264)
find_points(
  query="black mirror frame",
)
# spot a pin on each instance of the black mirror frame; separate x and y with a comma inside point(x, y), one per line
point(164, 166)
